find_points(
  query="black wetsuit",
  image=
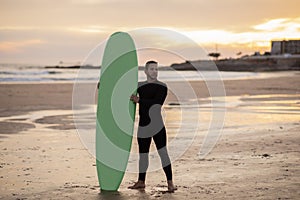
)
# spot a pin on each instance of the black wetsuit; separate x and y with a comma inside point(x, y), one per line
point(151, 125)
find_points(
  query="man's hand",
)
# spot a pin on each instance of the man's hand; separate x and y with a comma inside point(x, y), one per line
point(134, 98)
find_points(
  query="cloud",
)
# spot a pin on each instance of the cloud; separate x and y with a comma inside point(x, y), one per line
point(261, 34)
point(93, 2)
point(18, 28)
point(59, 29)
point(279, 24)
point(16, 46)
point(88, 29)
point(60, 42)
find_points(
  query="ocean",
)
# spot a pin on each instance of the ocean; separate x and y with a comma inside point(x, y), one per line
point(10, 73)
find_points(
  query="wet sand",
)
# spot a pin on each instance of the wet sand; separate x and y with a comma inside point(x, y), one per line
point(256, 157)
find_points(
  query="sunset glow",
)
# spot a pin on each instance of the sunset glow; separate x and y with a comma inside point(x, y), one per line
point(70, 29)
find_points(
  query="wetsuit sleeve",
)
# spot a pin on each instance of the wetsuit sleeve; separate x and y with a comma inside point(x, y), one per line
point(159, 98)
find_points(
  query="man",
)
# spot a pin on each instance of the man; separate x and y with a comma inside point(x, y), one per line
point(151, 96)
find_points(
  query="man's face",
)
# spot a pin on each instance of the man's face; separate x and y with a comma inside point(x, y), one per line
point(152, 72)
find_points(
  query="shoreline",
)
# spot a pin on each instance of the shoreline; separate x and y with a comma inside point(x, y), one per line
point(66, 76)
point(260, 75)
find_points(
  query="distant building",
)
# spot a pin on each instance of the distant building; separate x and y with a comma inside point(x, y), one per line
point(285, 47)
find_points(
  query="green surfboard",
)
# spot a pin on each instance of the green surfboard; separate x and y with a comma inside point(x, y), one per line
point(115, 111)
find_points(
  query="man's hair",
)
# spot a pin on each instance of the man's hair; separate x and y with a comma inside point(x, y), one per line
point(149, 63)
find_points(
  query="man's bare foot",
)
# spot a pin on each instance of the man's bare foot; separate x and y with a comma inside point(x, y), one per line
point(171, 187)
point(138, 185)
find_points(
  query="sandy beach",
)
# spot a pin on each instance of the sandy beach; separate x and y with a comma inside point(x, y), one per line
point(256, 157)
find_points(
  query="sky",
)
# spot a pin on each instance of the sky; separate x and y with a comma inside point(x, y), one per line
point(49, 31)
